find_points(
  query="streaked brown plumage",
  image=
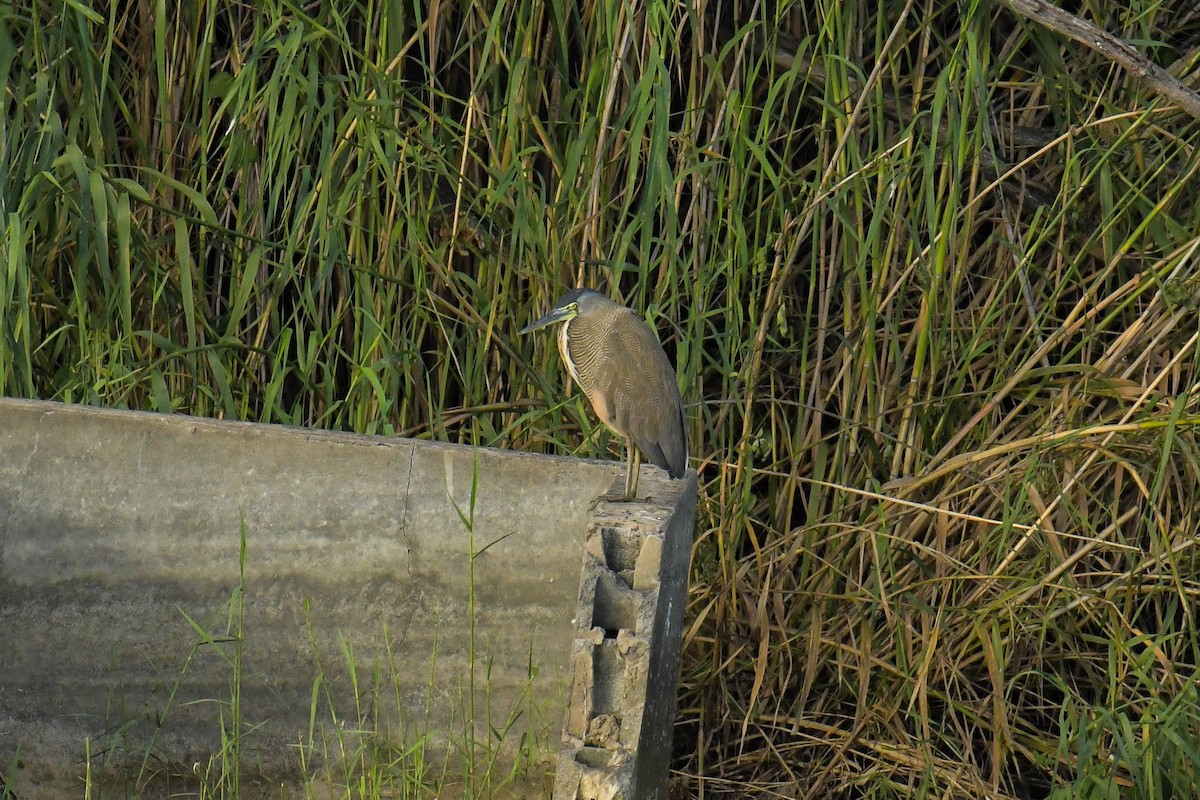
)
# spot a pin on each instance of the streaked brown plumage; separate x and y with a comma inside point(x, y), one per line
point(619, 364)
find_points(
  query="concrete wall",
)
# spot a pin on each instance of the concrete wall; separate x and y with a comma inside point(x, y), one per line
point(120, 538)
point(133, 630)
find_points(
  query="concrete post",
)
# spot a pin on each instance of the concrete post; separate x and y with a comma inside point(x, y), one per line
point(625, 659)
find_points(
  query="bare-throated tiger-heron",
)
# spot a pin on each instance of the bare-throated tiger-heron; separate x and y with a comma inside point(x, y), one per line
point(619, 364)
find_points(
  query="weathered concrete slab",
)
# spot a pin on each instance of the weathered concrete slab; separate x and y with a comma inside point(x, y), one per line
point(135, 630)
point(121, 577)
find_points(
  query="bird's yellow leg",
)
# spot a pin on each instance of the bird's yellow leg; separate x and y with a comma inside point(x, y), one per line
point(632, 468)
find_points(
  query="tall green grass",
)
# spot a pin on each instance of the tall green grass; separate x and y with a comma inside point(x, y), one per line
point(927, 273)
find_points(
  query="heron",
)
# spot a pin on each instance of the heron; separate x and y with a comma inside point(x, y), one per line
point(619, 364)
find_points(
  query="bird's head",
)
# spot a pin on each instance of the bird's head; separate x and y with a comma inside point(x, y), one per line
point(575, 303)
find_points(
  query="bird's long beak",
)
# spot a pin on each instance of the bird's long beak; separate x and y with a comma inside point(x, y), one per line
point(557, 315)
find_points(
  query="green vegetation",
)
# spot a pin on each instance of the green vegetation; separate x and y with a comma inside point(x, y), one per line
point(359, 742)
point(928, 273)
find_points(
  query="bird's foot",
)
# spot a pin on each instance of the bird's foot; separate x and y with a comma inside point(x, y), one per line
point(618, 497)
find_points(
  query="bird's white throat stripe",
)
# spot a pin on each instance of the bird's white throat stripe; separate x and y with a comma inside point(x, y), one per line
point(563, 334)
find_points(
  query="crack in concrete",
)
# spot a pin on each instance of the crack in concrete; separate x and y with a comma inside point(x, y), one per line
point(412, 457)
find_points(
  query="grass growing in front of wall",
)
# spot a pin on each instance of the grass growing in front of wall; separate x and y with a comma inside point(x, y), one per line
point(927, 272)
point(358, 743)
